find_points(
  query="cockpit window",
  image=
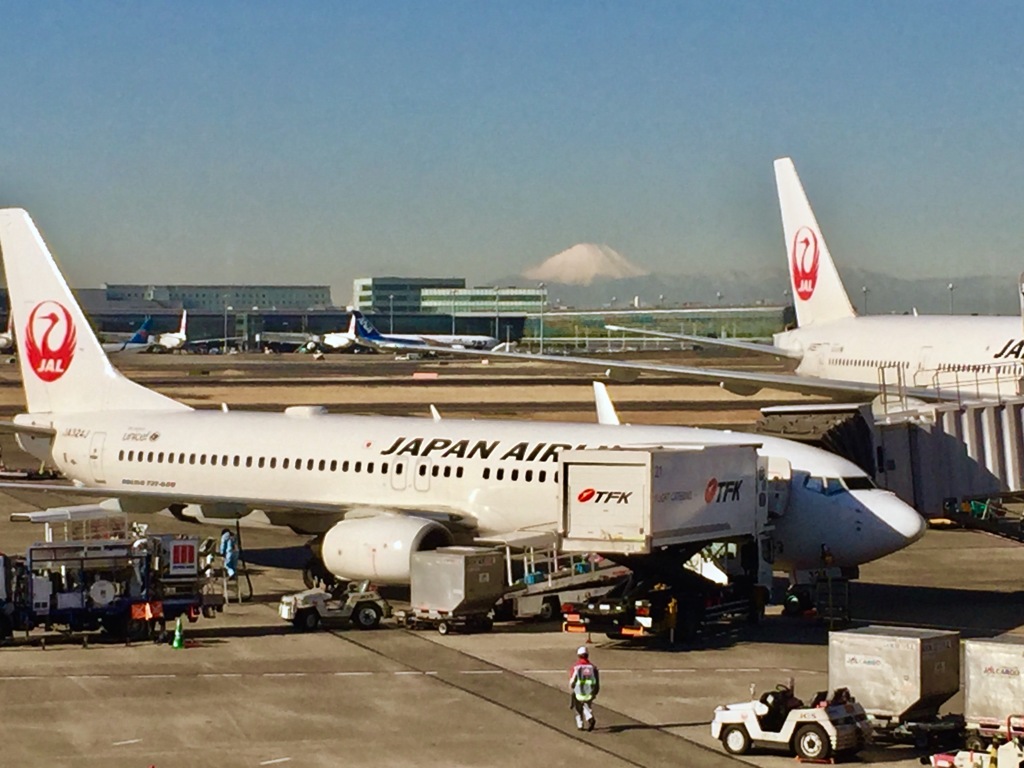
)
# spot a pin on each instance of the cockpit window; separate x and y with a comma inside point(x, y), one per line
point(828, 486)
point(862, 483)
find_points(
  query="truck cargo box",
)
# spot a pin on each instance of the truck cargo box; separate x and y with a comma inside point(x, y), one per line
point(993, 680)
point(632, 501)
point(903, 673)
point(454, 580)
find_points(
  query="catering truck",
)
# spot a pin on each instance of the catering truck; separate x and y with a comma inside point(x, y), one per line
point(653, 509)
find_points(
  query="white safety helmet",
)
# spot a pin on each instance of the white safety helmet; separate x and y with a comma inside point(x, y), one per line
point(582, 651)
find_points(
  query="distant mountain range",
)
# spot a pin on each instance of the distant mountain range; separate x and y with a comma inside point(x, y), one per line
point(591, 276)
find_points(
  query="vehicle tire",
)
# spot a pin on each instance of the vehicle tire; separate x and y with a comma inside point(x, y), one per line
point(6, 628)
point(367, 616)
point(974, 743)
point(306, 620)
point(549, 610)
point(443, 628)
point(486, 624)
point(812, 743)
point(209, 612)
point(736, 740)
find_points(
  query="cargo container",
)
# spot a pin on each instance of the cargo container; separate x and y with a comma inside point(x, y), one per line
point(454, 588)
point(994, 688)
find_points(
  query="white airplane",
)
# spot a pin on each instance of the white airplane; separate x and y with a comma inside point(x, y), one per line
point(365, 333)
point(7, 337)
point(173, 340)
point(931, 355)
point(377, 488)
point(140, 341)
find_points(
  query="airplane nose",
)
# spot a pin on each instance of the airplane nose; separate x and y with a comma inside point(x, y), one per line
point(895, 514)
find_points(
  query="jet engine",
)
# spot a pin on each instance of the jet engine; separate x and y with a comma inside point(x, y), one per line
point(379, 548)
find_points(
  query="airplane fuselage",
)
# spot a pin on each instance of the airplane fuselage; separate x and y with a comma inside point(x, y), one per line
point(982, 356)
point(498, 476)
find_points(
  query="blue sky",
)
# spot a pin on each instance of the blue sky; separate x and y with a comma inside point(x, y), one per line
point(318, 142)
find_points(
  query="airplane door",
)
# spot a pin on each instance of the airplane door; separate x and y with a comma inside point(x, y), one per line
point(399, 473)
point(422, 478)
point(96, 456)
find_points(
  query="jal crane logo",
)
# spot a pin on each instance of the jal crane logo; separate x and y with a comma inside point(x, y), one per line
point(803, 261)
point(50, 340)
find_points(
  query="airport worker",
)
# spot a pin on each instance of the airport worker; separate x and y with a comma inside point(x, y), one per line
point(585, 683)
point(229, 550)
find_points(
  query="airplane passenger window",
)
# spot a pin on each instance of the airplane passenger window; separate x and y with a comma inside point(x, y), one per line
point(359, 466)
point(273, 462)
point(515, 474)
point(248, 461)
point(434, 470)
point(191, 458)
point(322, 465)
point(458, 471)
point(501, 474)
point(237, 461)
point(383, 467)
point(344, 466)
point(529, 475)
point(181, 458)
point(334, 465)
point(399, 468)
point(202, 458)
point(160, 458)
point(556, 477)
point(447, 471)
point(284, 463)
point(369, 466)
point(261, 462)
point(309, 465)
point(487, 473)
point(120, 455)
point(423, 470)
point(298, 463)
point(131, 455)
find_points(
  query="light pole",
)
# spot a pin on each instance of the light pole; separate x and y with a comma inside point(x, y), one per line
point(951, 287)
point(541, 286)
point(865, 290)
point(496, 324)
point(453, 311)
point(391, 313)
point(224, 341)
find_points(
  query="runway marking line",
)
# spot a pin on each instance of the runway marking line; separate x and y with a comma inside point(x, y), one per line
point(276, 761)
point(126, 742)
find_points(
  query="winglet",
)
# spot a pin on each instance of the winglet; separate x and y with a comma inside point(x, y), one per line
point(434, 413)
point(818, 292)
point(606, 413)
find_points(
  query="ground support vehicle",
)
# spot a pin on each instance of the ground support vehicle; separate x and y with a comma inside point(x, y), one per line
point(454, 589)
point(993, 690)
point(711, 507)
point(358, 605)
point(902, 676)
point(827, 728)
point(127, 587)
point(1009, 753)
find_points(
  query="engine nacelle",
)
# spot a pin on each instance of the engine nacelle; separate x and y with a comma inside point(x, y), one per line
point(379, 548)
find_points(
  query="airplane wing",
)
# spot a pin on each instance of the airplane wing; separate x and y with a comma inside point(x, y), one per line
point(304, 516)
point(738, 382)
point(746, 346)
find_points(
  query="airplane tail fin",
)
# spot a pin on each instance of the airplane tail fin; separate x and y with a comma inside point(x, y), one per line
point(363, 328)
point(141, 336)
point(818, 293)
point(184, 323)
point(63, 366)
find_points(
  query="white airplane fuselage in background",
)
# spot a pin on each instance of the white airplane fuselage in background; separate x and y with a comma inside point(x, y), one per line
point(379, 486)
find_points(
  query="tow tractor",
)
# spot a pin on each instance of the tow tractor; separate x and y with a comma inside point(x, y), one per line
point(357, 604)
point(836, 726)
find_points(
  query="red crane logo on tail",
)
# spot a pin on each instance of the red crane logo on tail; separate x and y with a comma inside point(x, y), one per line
point(803, 262)
point(711, 489)
point(50, 355)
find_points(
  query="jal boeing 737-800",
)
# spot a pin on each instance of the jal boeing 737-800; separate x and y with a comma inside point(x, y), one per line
point(927, 356)
point(376, 488)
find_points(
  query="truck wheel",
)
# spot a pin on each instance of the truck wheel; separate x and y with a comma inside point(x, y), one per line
point(974, 743)
point(367, 616)
point(736, 740)
point(443, 628)
point(549, 610)
point(306, 620)
point(812, 743)
point(6, 629)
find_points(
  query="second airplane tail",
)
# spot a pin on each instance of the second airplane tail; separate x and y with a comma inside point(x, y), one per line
point(818, 292)
point(63, 366)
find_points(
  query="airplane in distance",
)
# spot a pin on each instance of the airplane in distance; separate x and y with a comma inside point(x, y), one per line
point(7, 337)
point(375, 488)
point(173, 341)
point(140, 341)
point(933, 355)
point(365, 333)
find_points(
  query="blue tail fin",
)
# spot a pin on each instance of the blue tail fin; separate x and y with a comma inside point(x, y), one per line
point(141, 336)
point(364, 328)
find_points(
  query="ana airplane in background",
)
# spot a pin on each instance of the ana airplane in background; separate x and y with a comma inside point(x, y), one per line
point(927, 355)
point(140, 341)
point(376, 488)
point(366, 333)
